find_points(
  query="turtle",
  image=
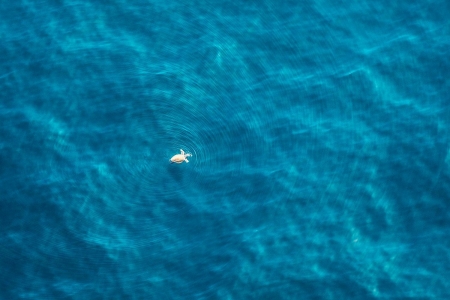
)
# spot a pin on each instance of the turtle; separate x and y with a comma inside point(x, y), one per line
point(179, 158)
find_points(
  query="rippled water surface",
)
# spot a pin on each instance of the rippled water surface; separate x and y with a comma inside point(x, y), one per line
point(319, 134)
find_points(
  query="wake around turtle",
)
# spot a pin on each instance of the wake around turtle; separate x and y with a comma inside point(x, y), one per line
point(179, 158)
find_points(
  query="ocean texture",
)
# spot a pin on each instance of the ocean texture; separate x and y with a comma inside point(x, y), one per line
point(319, 134)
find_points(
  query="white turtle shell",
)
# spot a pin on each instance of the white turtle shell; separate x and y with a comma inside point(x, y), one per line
point(179, 158)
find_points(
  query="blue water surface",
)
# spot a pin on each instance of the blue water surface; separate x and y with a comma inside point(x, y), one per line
point(319, 134)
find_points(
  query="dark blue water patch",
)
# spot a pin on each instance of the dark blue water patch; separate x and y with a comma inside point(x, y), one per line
point(47, 242)
point(374, 224)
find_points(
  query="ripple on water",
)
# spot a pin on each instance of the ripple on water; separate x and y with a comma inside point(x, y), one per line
point(218, 139)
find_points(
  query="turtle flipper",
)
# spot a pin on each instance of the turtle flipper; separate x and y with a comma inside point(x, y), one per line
point(186, 160)
point(182, 152)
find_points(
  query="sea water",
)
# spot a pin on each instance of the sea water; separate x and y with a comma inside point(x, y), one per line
point(319, 134)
